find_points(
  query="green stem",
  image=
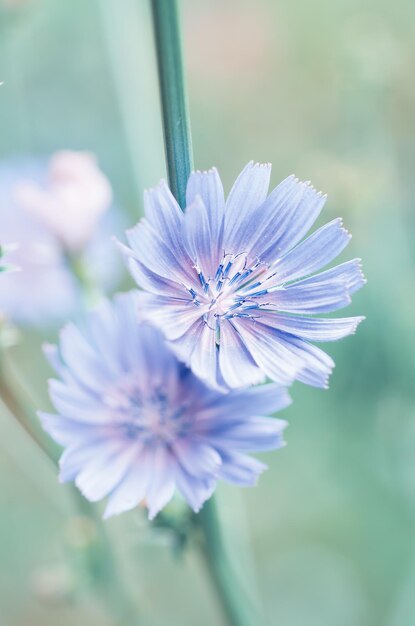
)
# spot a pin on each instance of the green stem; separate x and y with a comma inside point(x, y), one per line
point(179, 157)
point(176, 124)
point(236, 604)
point(14, 407)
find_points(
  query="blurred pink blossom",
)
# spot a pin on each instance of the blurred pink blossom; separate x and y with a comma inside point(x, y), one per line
point(71, 201)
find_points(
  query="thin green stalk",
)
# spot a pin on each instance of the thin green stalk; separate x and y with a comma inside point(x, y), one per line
point(176, 124)
point(236, 603)
point(179, 157)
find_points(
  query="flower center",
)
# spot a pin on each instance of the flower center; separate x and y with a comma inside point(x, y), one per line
point(232, 292)
point(145, 414)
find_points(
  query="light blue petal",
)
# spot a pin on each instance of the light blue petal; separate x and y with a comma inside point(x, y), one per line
point(75, 404)
point(349, 273)
point(194, 490)
point(248, 192)
point(204, 357)
point(64, 431)
point(239, 469)
point(271, 355)
point(239, 404)
point(196, 458)
point(293, 224)
point(313, 328)
point(318, 365)
point(76, 457)
point(53, 357)
point(313, 253)
point(282, 220)
point(255, 434)
point(173, 317)
point(260, 223)
point(132, 488)
point(103, 470)
point(163, 212)
point(153, 252)
point(198, 239)
point(237, 366)
point(208, 186)
point(160, 489)
point(81, 359)
point(184, 346)
point(310, 298)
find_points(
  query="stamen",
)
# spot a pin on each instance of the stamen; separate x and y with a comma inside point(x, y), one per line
point(256, 294)
point(219, 271)
point(234, 279)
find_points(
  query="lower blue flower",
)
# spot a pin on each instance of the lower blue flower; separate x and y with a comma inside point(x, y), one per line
point(137, 424)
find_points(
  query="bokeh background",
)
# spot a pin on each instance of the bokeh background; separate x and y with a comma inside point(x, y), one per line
point(324, 89)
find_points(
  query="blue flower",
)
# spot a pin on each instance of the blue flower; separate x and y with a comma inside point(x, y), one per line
point(137, 424)
point(233, 284)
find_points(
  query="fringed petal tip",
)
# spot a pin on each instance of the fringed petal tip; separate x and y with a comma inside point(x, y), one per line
point(161, 185)
point(125, 250)
point(212, 170)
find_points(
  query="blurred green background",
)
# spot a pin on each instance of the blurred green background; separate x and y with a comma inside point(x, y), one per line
point(324, 89)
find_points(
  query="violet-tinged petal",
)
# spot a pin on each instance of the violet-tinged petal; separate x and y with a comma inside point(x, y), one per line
point(236, 362)
point(314, 252)
point(208, 186)
point(314, 328)
point(256, 433)
point(248, 192)
point(194, 490)
point(198, 239)
point(312, 298)
point(161, 485)
point(132, 489)
point(240, 469)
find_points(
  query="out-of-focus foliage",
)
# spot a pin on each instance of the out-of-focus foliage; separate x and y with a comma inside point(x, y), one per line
point(325, 90)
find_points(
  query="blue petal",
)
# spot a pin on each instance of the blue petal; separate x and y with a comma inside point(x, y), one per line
point(82, 360)
point(197, 459)
point(313, 253)
point(314, 328)
point(254, 434)
point(248, 192)
point(237, 366)
point(267, 350)
point(132, 488)
point(239, 469)
point(204, 357)
point(153, 252)
point(163, 213)
point(185, 345)
point(349, 273)
point(173, 317)
point(238, 404)
point(67, 432)
point(284, 219)
point(76, 405)
point(77, 455)
point(160, 489)
point(146, 278)
point(317, 365)
point(310, 298)
point(198, 239)
point(194, 490)
point(104, 470)
point(208, 186)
